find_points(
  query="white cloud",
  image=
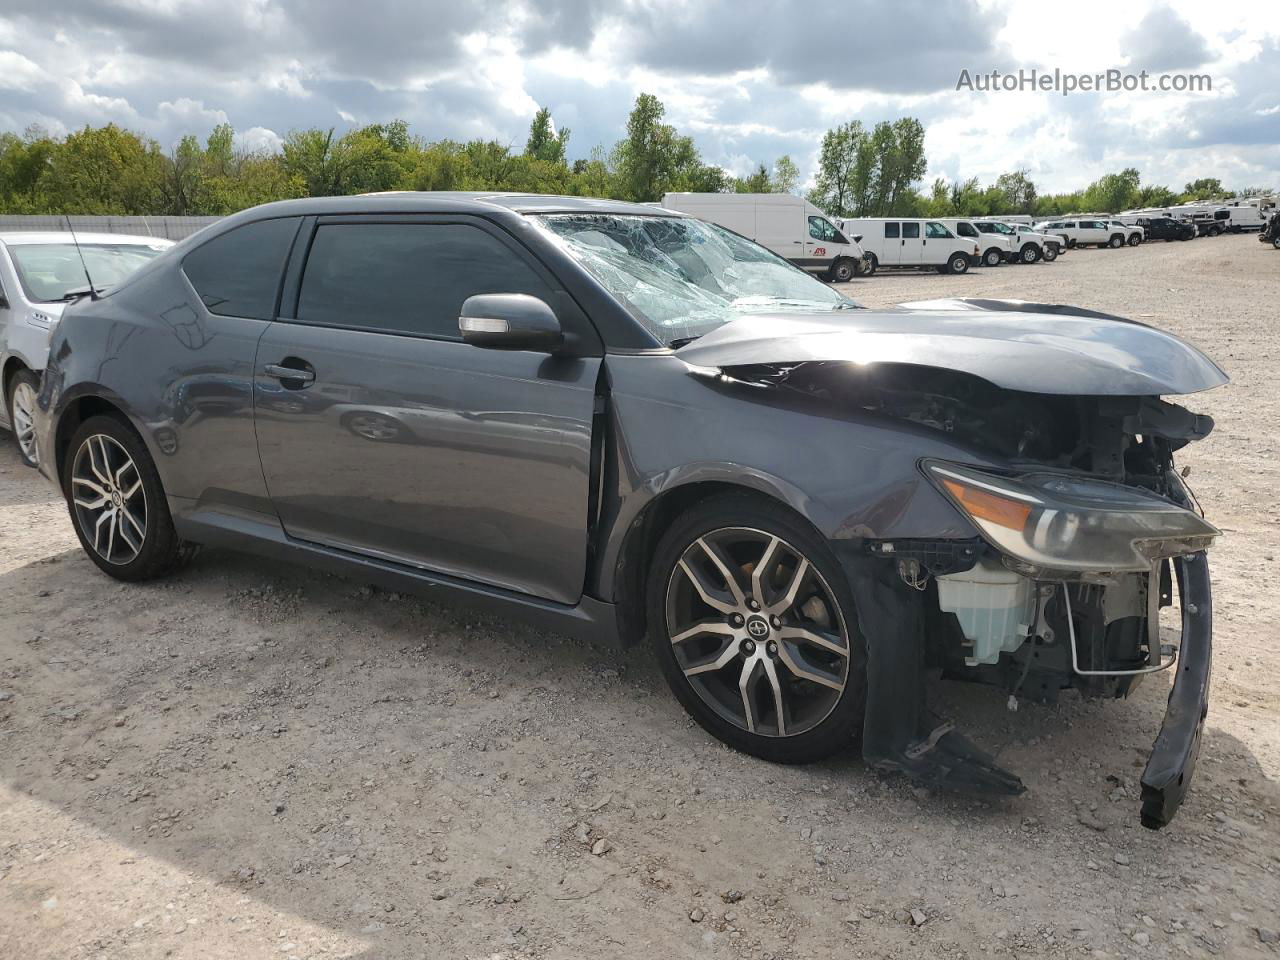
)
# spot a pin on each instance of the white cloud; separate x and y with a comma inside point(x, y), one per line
point(19, 73)
point(756, 80)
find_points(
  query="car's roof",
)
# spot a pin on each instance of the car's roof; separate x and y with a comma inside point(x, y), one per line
point(453, 201)
point(15, 237)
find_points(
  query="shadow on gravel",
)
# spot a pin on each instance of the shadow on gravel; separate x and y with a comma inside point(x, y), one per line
point(390, 769)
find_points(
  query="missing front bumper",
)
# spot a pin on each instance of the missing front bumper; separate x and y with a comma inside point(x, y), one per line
point(1173, 757)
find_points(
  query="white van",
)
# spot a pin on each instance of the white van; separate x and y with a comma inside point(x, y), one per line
point(790, 226)
point(913, 242)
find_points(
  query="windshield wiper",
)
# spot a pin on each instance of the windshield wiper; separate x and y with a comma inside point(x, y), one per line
point(679, 342)
point(77, 293)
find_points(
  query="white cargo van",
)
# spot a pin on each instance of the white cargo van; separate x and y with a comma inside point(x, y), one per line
point(913, 242)
point(788, 225)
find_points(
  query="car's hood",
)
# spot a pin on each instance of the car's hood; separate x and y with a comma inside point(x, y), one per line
point(1038, 348)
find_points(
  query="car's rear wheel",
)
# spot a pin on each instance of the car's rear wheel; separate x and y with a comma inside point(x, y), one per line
point(753, 624)
point(958, 263)
point(22, 409)
point(117, 502)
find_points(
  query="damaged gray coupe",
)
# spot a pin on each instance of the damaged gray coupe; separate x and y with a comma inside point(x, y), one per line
point(623, 423)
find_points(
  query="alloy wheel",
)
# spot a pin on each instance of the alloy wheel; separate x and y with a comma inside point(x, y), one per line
point(23, 408)
point(110, 502)
point(757, 632)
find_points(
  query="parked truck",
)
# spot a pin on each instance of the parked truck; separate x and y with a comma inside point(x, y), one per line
point(790, 226)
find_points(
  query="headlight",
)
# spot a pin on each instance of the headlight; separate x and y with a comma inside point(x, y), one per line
point(1050, 521)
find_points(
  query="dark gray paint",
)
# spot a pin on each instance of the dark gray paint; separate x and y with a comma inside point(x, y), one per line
point(1027, 350)
point(520, 475)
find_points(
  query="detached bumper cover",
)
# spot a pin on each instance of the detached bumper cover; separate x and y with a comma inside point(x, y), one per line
point(1173, 758)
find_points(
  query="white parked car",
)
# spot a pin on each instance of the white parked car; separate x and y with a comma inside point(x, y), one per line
point(913, 242)
point(790, 226)
point(1133, 233)
point(1026, 245)
point(39, 274)
point(1086, 231)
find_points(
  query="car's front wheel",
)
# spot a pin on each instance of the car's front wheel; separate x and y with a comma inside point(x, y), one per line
point(1050, 253)
point(22, 408)
point(1135, 239)
point(993, 257)
point(842, 271)
point(117, 502)
point(753, 624)
point(959, 263)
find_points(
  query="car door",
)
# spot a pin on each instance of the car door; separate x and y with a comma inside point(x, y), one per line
point(822, 243)
point(912, 244)
point(892, 255)
point(381, 433)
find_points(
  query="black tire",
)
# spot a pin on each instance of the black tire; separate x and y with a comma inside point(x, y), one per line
point(839, 728)
point(1029, 253)
point(1071, 244)
point(161, 550)
point(957, 264)
point(869, 265)
point(1116, 241)
point(1135, 239)
point(993, 257)
point(842, 271)
point(23, 437)
point(1276, 243)
point(1050, 253)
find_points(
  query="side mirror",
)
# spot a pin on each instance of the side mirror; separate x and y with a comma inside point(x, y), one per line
point(509, 321)
point(857, 238)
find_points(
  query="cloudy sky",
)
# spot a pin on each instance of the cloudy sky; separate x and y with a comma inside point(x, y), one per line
point(749, 79)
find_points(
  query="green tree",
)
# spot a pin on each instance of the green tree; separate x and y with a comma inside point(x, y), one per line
point(653, 158)
point(105, 170)
point(545, 143)
point(1205, 188)
point(755, 182)
point(837, 182)
point(1017, 192)
point(786, 175)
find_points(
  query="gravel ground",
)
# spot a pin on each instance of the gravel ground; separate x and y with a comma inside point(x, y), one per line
point(251, 761)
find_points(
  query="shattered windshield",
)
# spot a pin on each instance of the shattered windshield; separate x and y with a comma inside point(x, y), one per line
point(681, 277)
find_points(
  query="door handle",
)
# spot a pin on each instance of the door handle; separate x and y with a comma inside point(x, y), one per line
point(281, 372)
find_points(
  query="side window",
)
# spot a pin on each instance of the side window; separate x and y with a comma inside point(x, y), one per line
point(238, 273)
point(964, 229)
point(891, 231)
point(820, 229)
point(911, 231)
point(407, 278)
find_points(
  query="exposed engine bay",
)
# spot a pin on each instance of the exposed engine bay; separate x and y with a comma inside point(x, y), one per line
point(1004, 609)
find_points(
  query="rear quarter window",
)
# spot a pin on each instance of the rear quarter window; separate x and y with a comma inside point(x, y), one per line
point(237, 274)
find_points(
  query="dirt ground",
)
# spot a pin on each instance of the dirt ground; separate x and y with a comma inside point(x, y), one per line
point(250, 761)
